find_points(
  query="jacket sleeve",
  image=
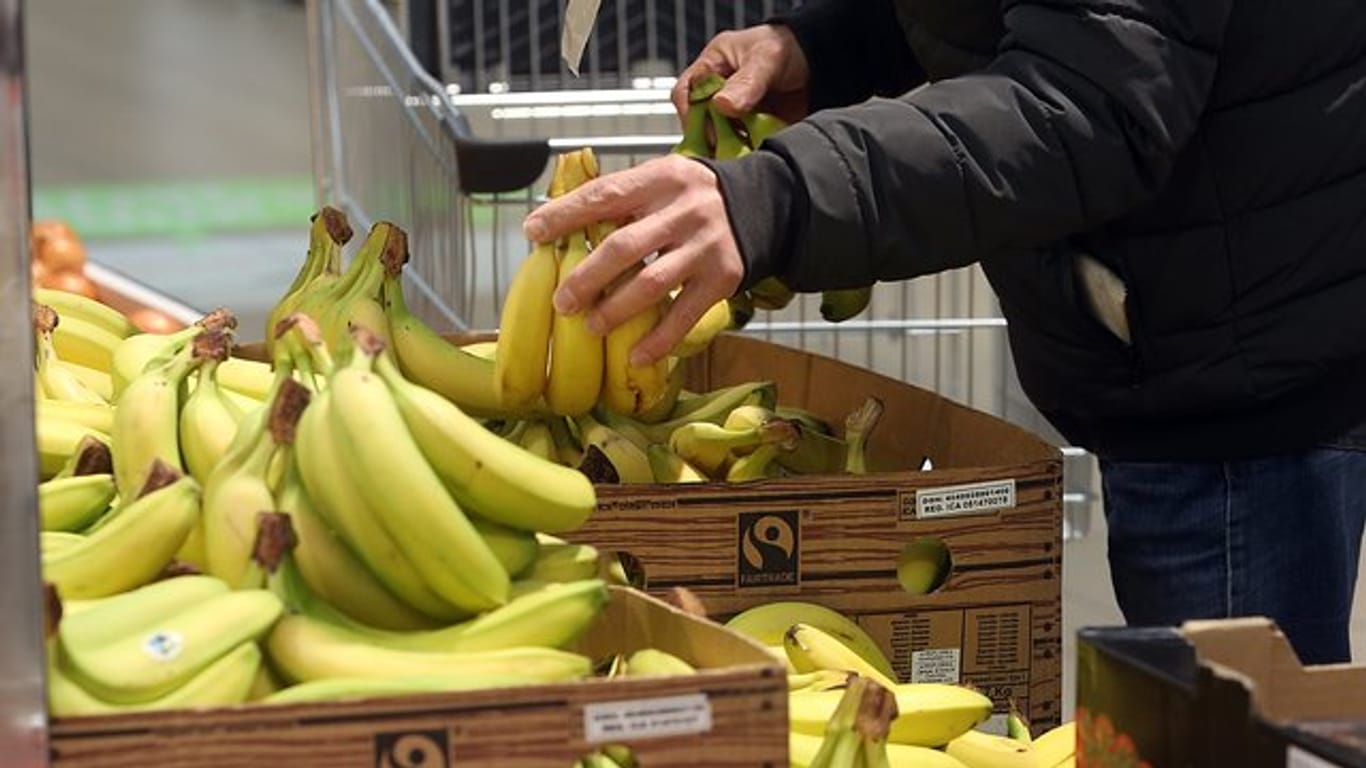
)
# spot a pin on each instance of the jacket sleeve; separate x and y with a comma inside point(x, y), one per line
point(854, 50)
point(1076, 121)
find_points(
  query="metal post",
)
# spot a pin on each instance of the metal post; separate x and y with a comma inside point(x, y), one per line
point(23, 710)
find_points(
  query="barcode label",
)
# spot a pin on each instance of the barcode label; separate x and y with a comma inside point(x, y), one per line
point(647, 718)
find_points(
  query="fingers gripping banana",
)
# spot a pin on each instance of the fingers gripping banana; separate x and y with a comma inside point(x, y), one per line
point(398, 484)
point(630, 389)
point(492, 476)
point(576, 353)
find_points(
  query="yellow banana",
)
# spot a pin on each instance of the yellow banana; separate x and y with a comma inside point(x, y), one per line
point(347, 688)
point(713, 408)
point(515, 548)
point(82, 342)
point(58, 441)
point(398, 484)
point(484, 350)
point(713, 323)
point(51, 542)
point(74, 305)
point(609, 457)
point(245, 378)
point(134, 546)
point(929, 714)
point(520, 369)
point(628, 389)
point(669, 467)
point(768, 624)
point(328, 232)
point(710, 447)
point(923, 565)
point(208, 420)
point(224, 682)
point(99, 418)
point(146, 422)
point(337, 499)
point(758, 465)
point(558, 561)
point(538, 441)
point(576, 353)
point(802, 749)
point(54, 381)
point(304, 649)
point(72, 503)
point(811, 649)
point(988, 750)
point(653, 661)
point(1057, 745)
point(99, 382)
point(494, 478)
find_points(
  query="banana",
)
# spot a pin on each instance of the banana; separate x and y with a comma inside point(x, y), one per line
point(694, 140)
point(568, 451)
point(576, 354)
point(709, 447)
point(51, 542)
point(712, 407)
point(1056, 746)
point(923, 565)
point(329, 566)
point(135, 545)
point(715, 321)
point(224, 682)
point(237, 491)
point(397, 484)
point(820, 680)
point(669, 467)
point(811, 649)
point(458, 374)
point(520, 369)
point(759, 465)
point(628, 389)
point(1017, 727)
point(609, 457)
point(535, 437)
point(987, 750)
point(74, 305)
point(90, 457)
point(484, 350)
point(361, 307)
point(83, 342)
point(771, 294)
point(151, 661)
point(842, 745)
point(653, 661)
point(838, 305)
point(664, 406)
point(515, 548)
point(146, 422)
point(135, 353)
point(494, 478)
point(86, 624)
point(802, 749)
point(328, 232)
point(54, 381)
point(768, 623)
point(58, 441)
point(337, 499)
point(247, 379)
point(808, 420)
point(265, 684)
point(857, 428)
point(761, 125)
point(304, 649)
point(72, 503)
point(208, 420)
point(99, 382)
point(929, 714)
point(99, 418)
point(561, 562)
point(729, 145)
point(352, 688)
point(741, 309)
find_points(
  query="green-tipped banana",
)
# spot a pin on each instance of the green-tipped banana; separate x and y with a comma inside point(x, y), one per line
point(73, 503)
point(842, 304)
point(329, 231)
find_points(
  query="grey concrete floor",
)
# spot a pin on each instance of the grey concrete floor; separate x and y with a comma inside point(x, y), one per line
point(150, 91)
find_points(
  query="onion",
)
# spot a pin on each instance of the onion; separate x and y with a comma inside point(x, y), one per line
point(62, 255)
point(151, 321)
point(71, 282)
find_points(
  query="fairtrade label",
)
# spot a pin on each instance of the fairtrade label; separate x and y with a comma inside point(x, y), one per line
point(936, 665)
point(1296, 757)
point(967, 499)
point(647, 718)
point(163, 646)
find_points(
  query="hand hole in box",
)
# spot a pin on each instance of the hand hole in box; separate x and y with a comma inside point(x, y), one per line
point(924, 565)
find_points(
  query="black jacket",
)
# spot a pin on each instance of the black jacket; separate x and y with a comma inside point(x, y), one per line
point(1211, 152)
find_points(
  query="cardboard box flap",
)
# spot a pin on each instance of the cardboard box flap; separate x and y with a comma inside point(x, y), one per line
point(644, 621)
point(1254, 651)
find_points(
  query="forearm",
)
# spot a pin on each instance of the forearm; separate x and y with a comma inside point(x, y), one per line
point(1041, 144)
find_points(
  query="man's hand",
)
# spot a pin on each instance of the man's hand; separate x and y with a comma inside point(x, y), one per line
point(670, 206)
point(764, 68)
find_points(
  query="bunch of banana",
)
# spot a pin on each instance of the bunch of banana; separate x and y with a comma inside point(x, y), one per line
point(329, 231)
point(856, 734)
point(181, 642)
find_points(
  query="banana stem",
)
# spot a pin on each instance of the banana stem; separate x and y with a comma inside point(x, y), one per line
point(857, 428)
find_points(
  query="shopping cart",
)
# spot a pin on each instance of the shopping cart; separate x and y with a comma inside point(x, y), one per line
point(459, 170)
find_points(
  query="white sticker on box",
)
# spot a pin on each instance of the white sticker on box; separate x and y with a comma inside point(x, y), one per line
point(1298, 758)
point(967, 499)
point(935, 665)
point(647, 718)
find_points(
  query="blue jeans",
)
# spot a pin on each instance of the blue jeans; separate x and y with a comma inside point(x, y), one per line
point(1277, 537)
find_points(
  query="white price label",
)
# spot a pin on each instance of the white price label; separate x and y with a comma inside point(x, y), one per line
point(935, 665)
point(1298, 758)
point(647, 718)
point(163, 646)
point(968, 499)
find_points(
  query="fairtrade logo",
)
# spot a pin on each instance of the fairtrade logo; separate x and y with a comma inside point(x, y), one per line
point(411, 749)
point(768, 548)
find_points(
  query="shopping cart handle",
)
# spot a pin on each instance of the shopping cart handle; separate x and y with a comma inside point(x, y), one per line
point(499, 165)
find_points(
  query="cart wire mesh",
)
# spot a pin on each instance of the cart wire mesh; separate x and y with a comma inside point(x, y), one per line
point(385, 148)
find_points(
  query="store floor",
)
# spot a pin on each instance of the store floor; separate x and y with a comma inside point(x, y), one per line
point(175, 134)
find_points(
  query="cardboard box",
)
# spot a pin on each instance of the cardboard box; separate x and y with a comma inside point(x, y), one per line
point(1215, 693)
point(733, 712)
point(994, 498)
